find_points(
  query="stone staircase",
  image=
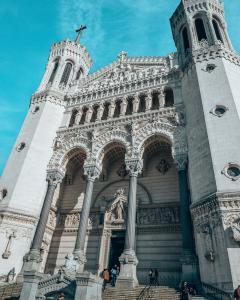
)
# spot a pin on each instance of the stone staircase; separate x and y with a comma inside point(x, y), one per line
point(155, 293)
point(12, 291)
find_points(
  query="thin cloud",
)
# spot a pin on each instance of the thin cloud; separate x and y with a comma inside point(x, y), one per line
point(75, 12)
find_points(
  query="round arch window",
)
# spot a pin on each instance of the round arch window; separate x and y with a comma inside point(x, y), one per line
point(232, 171)
point(219, 110)
point(21, 146)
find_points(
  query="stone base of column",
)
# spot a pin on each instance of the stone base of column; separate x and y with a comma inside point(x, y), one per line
point(189, 267)
point(31, 262)
point(89, 287)
point(127, 278)
point(30, 285)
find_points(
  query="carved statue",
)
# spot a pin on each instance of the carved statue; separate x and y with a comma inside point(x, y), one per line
point(71, 263)
point(78, 117)
point(115, 213)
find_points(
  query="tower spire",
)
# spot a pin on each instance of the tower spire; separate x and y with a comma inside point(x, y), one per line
point(79, 33)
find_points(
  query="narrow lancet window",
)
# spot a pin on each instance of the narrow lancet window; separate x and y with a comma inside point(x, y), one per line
point(186, 43)
point(54, 71)
point(217, 31)
point(66, 73)
point(201, 32)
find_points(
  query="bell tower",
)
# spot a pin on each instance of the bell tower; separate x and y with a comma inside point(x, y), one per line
point(23, 182)
point(210, 79)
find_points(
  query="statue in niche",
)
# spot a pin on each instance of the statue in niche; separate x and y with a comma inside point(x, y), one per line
point(71, 263)
point(122, 172)
point(163, 166)
point(115, 213)
point(210, 254)
point(78, 117)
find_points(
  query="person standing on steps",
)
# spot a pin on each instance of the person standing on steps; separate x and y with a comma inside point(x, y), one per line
point(150, 275)
point(61, 296)
point(185, 291)
point(156, 274)
point(114, 275)
point(106, 277)
point(236, 294)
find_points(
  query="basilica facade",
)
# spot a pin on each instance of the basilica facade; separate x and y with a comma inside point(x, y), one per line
point(136, 165)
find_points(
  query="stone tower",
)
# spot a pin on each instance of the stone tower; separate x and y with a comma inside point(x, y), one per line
point(211, 94)
point(23, 183)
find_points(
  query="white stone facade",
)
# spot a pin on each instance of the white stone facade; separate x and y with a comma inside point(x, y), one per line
point(154, 110)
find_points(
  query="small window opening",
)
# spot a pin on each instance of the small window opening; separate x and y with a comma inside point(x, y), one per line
point(169, 98)
point(94, 114)
point(155, 101)
point(79, 73)
point(66, 73)
point(106, 110)
point(129, 109)
point(117, 109)
point(201, 32)
point(54, 71)
point(3, 194)
point(217, 31)
point(21, 146)
point(73, 117)
point(142, 104)
point(36, 109)
point(186, 43)
point(83, 118)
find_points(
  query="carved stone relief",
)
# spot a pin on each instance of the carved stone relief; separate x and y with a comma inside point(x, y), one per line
point(163, 166)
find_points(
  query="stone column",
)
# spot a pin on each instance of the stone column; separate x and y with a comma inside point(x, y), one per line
point(32, 260)
point(111, 110)
point(189, 263)
point(100, 112)
point(128, 259)
point(136, 101)
point(123, 107)
point(92, 172)
point(148, 102)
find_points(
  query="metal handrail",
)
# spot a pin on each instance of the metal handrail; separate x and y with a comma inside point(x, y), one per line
point(144, 292)
point(215, 293)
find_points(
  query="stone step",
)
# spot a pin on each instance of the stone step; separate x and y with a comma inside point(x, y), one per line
point(155, 293)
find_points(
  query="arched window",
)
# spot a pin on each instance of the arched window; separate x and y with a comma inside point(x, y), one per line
point(105, 111)
point(169, 97)
point(94, 114)
point(186, 43)
point(54, 71)
point(155, 101)
point(83, 118)
point(79, 73)
point(73, 117)
point(117, 109)
point(217, 30)
point(142, 104)
point(201, 32)
point(66, 73)
point(129, 109)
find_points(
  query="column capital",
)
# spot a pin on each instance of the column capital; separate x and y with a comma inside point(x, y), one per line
point(54, 177)
point(134, 166)
point(181, 161)
point(92, 171)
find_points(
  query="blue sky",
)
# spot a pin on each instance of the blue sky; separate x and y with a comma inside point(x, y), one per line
point(28, 28)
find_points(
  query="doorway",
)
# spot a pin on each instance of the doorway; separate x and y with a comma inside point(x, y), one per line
point(116, 248)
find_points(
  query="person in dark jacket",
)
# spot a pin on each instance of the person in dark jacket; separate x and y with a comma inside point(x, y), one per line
point(185, 291)
point(156, 274)
point(236, 294)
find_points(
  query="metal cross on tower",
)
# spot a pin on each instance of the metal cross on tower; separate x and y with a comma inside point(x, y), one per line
point(79, 33)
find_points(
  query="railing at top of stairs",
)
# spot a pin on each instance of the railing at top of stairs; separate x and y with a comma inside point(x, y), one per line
point(215, 293)
point(145, 292)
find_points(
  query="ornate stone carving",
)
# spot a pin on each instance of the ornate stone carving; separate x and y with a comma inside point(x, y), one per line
point(163, 166)
point(116, 213)
point(134, 166)
point(78, 117)
point(3, 194)
point(181, 161)
point(6, 254)
point(158, 216)
point(92, 171)
point(54, 177)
